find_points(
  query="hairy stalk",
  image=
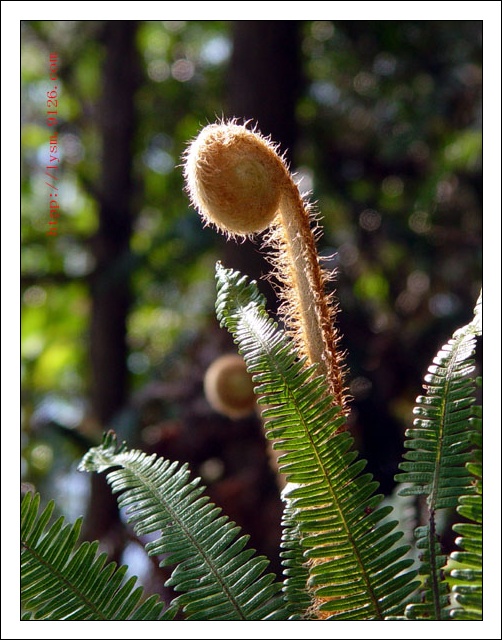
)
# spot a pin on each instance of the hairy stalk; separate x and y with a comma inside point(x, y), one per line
point(308, 311)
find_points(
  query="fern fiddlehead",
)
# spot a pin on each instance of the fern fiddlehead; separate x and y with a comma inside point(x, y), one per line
point(239, 184)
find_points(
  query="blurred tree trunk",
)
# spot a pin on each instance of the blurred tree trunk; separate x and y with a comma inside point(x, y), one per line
point(264, 85)
point(264, 78)
point(110, 280)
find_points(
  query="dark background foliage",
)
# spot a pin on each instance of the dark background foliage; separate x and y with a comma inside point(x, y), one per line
point(381, 119)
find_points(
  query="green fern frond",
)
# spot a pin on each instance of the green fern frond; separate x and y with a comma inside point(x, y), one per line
point(440, 444)
point(434, 599)
point(220, 578)
point(355, 570)
point(61, 580)
point(295, 568)
point(467, 586)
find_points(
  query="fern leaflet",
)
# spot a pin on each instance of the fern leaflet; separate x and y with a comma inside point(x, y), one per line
point(220, 578)
point(467, 577)
point(440, 444)
point(61, 580)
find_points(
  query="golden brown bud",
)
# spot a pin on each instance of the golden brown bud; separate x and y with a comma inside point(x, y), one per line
point(235, 178)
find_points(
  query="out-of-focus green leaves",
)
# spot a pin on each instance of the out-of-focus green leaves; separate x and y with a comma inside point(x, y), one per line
point(463, 153)
point(180, 87)
point(372, 285)
point(53, 330)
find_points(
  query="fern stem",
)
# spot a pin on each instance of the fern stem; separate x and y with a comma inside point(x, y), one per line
point(307, 306)
point(434, 582)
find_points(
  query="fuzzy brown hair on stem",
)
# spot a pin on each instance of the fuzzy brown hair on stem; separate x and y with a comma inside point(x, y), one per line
point(239, 183)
